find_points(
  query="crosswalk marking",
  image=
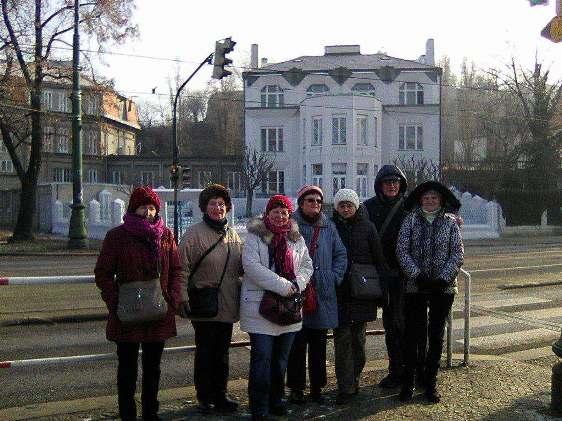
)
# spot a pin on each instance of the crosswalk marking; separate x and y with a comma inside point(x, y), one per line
point(512, 339)
point(506, 302)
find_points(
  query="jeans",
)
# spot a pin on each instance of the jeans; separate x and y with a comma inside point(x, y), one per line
point(349, 344)
point(439, 305)
point(210, 373)
point(296, 371)
point(268, 363)
point(127, 354)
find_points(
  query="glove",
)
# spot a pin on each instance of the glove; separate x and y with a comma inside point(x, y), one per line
point(183, 310)
point(421, 280)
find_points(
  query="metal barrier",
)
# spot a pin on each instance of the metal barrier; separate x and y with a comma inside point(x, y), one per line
point(38, 280)
point(466, 311)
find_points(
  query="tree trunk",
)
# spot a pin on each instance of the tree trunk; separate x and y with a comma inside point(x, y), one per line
point(249, 202)
point(23, 231)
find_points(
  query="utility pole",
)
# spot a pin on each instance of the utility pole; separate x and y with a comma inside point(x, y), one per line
point(77, 235)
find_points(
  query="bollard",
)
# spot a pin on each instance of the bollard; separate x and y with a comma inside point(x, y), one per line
point(556, 385)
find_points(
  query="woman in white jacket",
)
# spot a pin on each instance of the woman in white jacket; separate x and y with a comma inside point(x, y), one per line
point(275, 238)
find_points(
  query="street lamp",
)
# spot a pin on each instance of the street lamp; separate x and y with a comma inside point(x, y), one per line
point(77, 235)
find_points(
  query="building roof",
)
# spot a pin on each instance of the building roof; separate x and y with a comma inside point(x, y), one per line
point(354, 62)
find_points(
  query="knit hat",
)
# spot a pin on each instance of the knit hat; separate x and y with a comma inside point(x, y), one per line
point(279, 200)
point(308, 189)
point(214, 190)
point(346, 195)
point(143, 196)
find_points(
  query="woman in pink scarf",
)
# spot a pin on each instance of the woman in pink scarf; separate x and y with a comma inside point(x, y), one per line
point(140, 249)
point(275, 258)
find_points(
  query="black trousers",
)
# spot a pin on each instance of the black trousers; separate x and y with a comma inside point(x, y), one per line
point(212, 341)
point(393, 323)
point(296, 370)
point(433, 332)
point(127, 354)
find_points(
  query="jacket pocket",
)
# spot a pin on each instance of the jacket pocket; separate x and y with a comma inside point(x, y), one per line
point(252, 295)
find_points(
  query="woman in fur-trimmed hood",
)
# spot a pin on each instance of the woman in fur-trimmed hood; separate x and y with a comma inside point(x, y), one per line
point(274, 258)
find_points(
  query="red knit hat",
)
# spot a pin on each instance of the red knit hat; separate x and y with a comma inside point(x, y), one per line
point(308, 189)
point(143, 196)
point(279, 200)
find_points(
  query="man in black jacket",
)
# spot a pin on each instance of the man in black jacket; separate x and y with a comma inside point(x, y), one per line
point(386, 211)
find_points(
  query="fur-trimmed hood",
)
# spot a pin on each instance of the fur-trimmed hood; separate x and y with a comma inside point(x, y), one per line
point(257, 226)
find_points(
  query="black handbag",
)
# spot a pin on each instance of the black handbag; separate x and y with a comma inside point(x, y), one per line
point(365, 282)
point(281, 310)
point(204, 302)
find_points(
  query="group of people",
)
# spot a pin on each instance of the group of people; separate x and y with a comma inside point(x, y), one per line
point(413, 242)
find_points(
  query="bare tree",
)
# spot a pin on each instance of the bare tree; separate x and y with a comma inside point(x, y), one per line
point(417, 170)
point(31, 30)
point(256, 167)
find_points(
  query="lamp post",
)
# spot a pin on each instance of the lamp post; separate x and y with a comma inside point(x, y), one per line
point(77, 235)
point(175, 168)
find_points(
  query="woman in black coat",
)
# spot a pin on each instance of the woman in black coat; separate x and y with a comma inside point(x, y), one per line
point(358, 235)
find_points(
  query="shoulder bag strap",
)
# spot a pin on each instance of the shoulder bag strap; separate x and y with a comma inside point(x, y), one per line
point(314, 246)
point(390, 216)
point(210, 249)
point(225, 264)
point(380, 255)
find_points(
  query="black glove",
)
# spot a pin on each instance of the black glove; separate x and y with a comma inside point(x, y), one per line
point(421, 280)
point(431, 284)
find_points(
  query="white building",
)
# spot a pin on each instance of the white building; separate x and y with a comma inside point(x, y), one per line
point(333, 120)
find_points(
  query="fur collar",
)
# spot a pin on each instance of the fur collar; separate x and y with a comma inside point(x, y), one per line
point(256, 226)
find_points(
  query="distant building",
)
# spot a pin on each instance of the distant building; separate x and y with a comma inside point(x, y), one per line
point(333, 120)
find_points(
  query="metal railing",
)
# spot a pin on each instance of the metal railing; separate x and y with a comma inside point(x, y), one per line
point(39, 280)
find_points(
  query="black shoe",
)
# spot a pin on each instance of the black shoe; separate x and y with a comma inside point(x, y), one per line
point(344, 398)
point(297, 396)
point(432, 395)
point(315, 396)
point(204, 407)
point(280, 410)
point(406, 394)
point(151, 417)
point(390, 381)
point(259, 417)
point(226, 405)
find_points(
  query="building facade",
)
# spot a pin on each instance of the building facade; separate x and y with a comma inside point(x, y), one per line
point(333, 120)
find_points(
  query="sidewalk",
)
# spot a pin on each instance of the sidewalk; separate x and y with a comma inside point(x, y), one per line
point(491, 388)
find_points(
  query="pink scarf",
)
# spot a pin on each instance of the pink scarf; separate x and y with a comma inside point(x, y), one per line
point(282, 257)
point(151, 233)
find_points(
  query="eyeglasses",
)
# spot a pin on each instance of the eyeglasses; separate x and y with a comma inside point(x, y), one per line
point(313, 200)
point(217, 205)
point(393, 182)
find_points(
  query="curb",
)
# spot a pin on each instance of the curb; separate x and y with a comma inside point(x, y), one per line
point(50, 254)
point(31, 321)
point(529, 285)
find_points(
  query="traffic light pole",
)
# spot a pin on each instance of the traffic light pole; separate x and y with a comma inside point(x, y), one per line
point(174, 170)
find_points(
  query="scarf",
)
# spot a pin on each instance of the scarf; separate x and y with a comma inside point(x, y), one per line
point(430, 216)
point(142, 228)
point(282, 256)
point(311, 219)
point(219, 226)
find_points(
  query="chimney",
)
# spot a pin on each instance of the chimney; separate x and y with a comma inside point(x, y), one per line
point(430, 52)
point(254, 57)
point(263, 61)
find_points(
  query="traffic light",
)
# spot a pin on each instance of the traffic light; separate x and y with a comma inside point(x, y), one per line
point(538, 2)
point(186, 178)
point(222, 48)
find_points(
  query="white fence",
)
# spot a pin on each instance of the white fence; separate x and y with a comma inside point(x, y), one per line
point(482, 218)
point(107, 212)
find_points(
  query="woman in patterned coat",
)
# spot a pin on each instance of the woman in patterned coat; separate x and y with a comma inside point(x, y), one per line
point(430, 252)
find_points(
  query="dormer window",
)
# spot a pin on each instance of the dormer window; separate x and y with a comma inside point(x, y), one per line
point(363, 89)
point(411, 93)
point(317, 89)
point(272, 96)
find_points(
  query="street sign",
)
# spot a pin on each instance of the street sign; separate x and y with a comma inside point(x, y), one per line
point(553, 31)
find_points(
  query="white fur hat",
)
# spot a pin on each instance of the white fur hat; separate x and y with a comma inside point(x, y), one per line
point(346, 195)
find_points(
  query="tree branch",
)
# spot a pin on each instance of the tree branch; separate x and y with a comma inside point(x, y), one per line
point(14, 41)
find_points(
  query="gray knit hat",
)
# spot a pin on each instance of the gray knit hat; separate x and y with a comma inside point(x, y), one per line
point(346, 195)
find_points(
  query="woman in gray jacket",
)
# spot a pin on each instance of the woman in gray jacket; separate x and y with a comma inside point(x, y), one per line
point(430, 252)
point(274, 238)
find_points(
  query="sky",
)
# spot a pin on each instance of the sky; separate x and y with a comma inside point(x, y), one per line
point(179, 34)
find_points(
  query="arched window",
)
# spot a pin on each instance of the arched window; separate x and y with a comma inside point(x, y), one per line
point(411, 93)
point(316, 89)
point(363, 89)
point(272, 96)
